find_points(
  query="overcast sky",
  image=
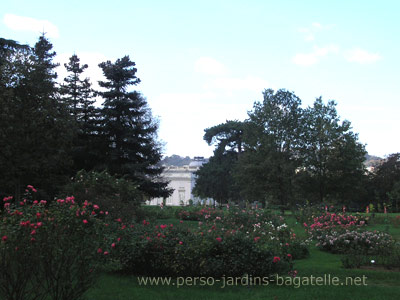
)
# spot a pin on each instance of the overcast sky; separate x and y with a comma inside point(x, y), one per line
point(204, 62)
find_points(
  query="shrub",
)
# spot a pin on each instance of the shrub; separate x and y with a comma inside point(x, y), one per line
point(230, 243)
point(198, 214)
point(167, 250)
point(329, 222)
point(49, 249)
point(366, 242)
point(118, 196)
point(388, 260)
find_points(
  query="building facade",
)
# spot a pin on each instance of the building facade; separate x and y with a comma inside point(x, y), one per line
point(182, 180)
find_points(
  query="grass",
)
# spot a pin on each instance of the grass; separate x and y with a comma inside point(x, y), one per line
point(380, 284)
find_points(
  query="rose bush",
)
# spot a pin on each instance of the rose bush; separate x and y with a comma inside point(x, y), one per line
point(167, 250)
point(356, 241)
point(50, 249)
point(231, 243)
point(329, 222)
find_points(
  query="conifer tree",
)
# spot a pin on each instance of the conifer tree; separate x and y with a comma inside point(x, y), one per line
point(130, 130)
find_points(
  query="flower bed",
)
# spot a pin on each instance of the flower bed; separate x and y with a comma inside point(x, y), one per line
point(329, 222)
point(230, 243)
point(50, 249)
point(73, 241)
point(361, 242)
point(174, 251)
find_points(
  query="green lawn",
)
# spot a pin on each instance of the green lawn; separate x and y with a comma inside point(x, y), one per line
point(380, 284)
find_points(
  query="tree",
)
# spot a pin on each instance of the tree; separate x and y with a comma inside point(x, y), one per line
point(386, 181)
point(13, 57)
point(78, 96)
point(215, 178)
point(37, 132)
point(332, 156)
point(271, 155)
point(129, 129)
point(229, 134)
point(77, 93)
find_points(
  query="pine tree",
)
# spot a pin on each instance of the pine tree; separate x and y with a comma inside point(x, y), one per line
point(129, 129)
point(77, 93)
point(78, 96)
point(39, 131)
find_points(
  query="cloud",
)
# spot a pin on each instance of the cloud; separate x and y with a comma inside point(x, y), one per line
point(361, 56)
point(19, 23)
point(308, 59)
point(209, 66)
point(310, 32)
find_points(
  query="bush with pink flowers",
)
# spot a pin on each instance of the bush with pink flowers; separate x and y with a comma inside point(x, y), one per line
point(49, 250)
point(198, 213)
point(328, 222)
point(168, 250)
point(231, 243)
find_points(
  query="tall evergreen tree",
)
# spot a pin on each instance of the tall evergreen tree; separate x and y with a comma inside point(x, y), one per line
point(39, 133)
point(130, 130)
point(78, 96)
point(77, 92)
point(13, 57)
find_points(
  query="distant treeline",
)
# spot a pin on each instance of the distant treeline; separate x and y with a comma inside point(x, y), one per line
point(286, 155)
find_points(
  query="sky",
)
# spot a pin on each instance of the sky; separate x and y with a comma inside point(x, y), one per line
point(204, 62)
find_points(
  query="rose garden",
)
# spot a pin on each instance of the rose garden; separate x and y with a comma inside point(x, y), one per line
point(71, 249)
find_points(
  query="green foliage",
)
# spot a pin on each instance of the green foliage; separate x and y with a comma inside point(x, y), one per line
point(386, 181)
point(35, 128)
point(50, 250)
point(332, 157)
point(168, 250)
point(176, 160)
point(129, 129)
point(49, 133)
point(388, 259)
point(283, 154)
point(118, 196)
point(267, 166)
point(215, 179)
point(362, 242)
point(78, 96)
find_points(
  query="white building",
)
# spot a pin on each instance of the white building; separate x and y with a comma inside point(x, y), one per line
point(182, 181)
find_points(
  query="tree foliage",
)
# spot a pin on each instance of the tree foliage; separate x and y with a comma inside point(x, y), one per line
point(271, 156)
point(35, 129)
point(332, 156)
point(130, 130)
point(288, 155)
point(215, 178)
point(50, 132)
point(386, 181)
